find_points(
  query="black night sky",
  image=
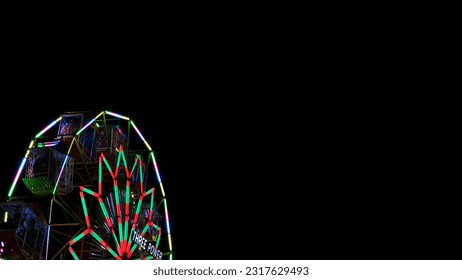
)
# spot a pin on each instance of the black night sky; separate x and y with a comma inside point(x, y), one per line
point(261, 157)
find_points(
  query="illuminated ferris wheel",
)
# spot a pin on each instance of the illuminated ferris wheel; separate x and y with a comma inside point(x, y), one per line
point(89, 188)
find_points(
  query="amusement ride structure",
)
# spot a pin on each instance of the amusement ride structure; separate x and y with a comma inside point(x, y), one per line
point(87, 188)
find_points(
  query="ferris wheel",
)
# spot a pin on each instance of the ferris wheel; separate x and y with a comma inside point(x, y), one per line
point(87, 188)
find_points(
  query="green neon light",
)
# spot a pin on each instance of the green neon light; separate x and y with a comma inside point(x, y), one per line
point(125, 161)
point(149, 191)
point(144, 229)
point(133, 247)
point(103, 208)
point(152, 201)
point(138, 208)
point(127, 204)
point(119, 156)
point(89, 191)
point(100, 175)
point(101, 241)
point(136, 164)
point(108, 166)
point(118, 209)
point(74, 255)
point(84, 206)
point(78, 237)
point(106, 216)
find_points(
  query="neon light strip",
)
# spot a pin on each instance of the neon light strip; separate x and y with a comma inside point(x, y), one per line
point(109, 223)
point(23, 162)
point(124, 159)
point(90, 122)
point(108, 167)
point(135, 221)
point(136, 164)
point(63, 165)
point(78, 237)
point(157, 173)
point(48, 239)
point(51, 144)
point(162, 189)
point(60, 173)
point(84, 206)
point(119, 211)
point(127, 213)
point(49, 227)
point(119, 156)
point(74, 240)
point(73, 253)
point(158, 236)
point(89, 191)
point(140, 135)
point(133, 247)
point(105, 245)
point(117, 115)
point(138, 210)
point(169, 241)
point(48, 127)
point(140, 163)
point(144, 230)
point(106, 214)
point(151, 206)
point(166, 216)
point(148, 192)
point(100, 176)
point(31, 145)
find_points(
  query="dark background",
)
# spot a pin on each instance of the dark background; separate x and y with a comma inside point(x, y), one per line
point(267, 149)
